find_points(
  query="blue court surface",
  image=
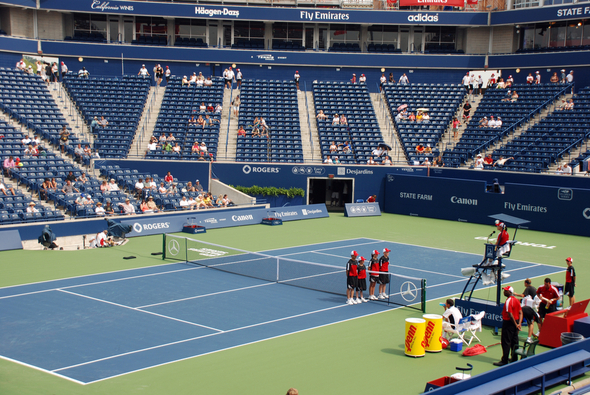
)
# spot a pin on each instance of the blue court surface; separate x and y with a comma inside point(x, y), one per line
point(92, 328)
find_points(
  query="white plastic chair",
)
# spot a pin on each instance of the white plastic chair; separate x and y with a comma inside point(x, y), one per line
point(475, 325)
point(460, 329)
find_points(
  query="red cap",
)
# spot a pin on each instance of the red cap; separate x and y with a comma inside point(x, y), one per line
point(361, 258)
point(296, 71)
point(354, 253)
point(509, 289)
point(569, 259)
point(167, 67)
point(386, 250)
point(375, 252)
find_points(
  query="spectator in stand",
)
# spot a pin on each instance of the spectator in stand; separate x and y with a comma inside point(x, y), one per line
point(465, 82)
point(71, 177)
point(343, 120)
point(488, 160)
point(83, 179)
point(218, 108)
point(570, 77)
point(69, 189)
point(210, 120)
point(426, 162)
point(420, 148)
point(103, 123)
point(509, 81)
point(514, 97)
point(64, 136)
point(192, 120)
point(412, 117)
point(333, 147)
point(554, 78)
point(386, 161)
point(403, 80)
point(567, 170)
point(113, 187)
point(569, 105)
point(167, 147)
point(382, 81)
point(203, 147)
point(297, 77)
point(239, 77)
point(530, 79)
point(104, 187)
point(537, 78)
point(184, 204)
point(26, 141)
point(241, 131)
point(31, 208)
point(143, 71)
point(200, 81)
point(438, 162)
point(483, 122)
point(370, 161)
point(167, 74)
point(498, 122)
point(198, 186)
point(139, 186)
point(127, 207)
point(456, 124)
point(479, 82)
point(99, 210)
point(158, 74)
point(478, 164)
point(168, 178)
point(336, 120)
point(353, 79)
point(162, 189)
point(336, 161)
point(208, 82)
point(3, 189)
point(43, 189)
point(152, 207)
point(78, 153)
point(466, 111)
point(176, 149)
point(185, 81)
point(321, 115)
point(328, 160)
point(501, 162)
point(235, 105)
point(193, 79)
point(108, 208)
point(227, 201)
point(346, 148)
point(501, 84)
point(83, 73)
point(30, 151)
point(195, 148)
point(362, 79)
point(428, 149)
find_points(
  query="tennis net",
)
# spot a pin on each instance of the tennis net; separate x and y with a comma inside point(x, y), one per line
point(401, 290)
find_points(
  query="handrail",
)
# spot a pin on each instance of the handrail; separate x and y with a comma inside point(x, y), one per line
point(231, 93)
point(308, 121)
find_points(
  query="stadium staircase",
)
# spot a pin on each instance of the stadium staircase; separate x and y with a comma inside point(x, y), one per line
point(147, 122)
point(309, 131)
point(71, 113)
point(447, 141)
point(388, 129)
point(228, 129)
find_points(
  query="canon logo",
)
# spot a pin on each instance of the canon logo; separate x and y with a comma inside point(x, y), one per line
point(237, 218)
point(458, 200)
point(423, 18)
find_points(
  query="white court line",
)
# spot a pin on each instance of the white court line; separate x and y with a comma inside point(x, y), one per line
point(205, 295)
point(201, 337)
point(325, 249)
point(42, 370)
point(141, 311)
point(315, 244)
point(98, 282)
point(246, 344)
point(91, 274)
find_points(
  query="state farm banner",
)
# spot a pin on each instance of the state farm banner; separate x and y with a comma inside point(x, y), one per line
point(453, 3)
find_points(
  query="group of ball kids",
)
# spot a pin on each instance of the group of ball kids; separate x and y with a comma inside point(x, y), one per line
point(356, 276)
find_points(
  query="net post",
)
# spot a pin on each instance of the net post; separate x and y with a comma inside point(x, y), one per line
point(278, 269)
point(389, 289)
point(424, 295)
point(163, 246)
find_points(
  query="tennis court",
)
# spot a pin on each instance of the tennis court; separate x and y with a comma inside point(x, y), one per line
point(91, 328)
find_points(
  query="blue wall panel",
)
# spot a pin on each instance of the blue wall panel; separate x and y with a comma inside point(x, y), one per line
point(551, 209)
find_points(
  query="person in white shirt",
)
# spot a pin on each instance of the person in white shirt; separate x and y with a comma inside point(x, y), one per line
point(498, 123)
point(570, 77)
point(370, 161)
point(386, 161)
point(193, 78)
point(336, 120)
point(152, 146)
point(362, 79)
point(128, 208)
point(297, 77)
point(478, 165)
point(26, 141)
point(480, 84)
point(64, 69)
point(382, 81)
point(491, 122)
point(192, 203)
point(203, 147)
point(162, 188)
point(328, 160)
point(36, 140)
point(426, 162)
point(566, 169)
point(199, 82)
point(31, 208)
point(143, 71)
point(537, 78)
point(239, 77)
point(21, 65)
point(451, 317)
point(218, 109)
point(465, 82)
point(83, 73)
point(101, 240)
point(99, 210)
point(229, 78)
point(185, 81)
point(167, 74)
point(184, 203)
point(404, 80)
point(510, 80)
point(113, 186)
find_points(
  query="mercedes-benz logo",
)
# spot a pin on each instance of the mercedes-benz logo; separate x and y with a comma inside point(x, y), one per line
point(173, 247)
point(246, 169)
point(137, 227)
point(409, 291)
point(586, 213)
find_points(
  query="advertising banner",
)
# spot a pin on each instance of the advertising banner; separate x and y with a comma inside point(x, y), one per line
point(293, 213)
point(453, 3)
point(362, 210)
point(551, 209)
